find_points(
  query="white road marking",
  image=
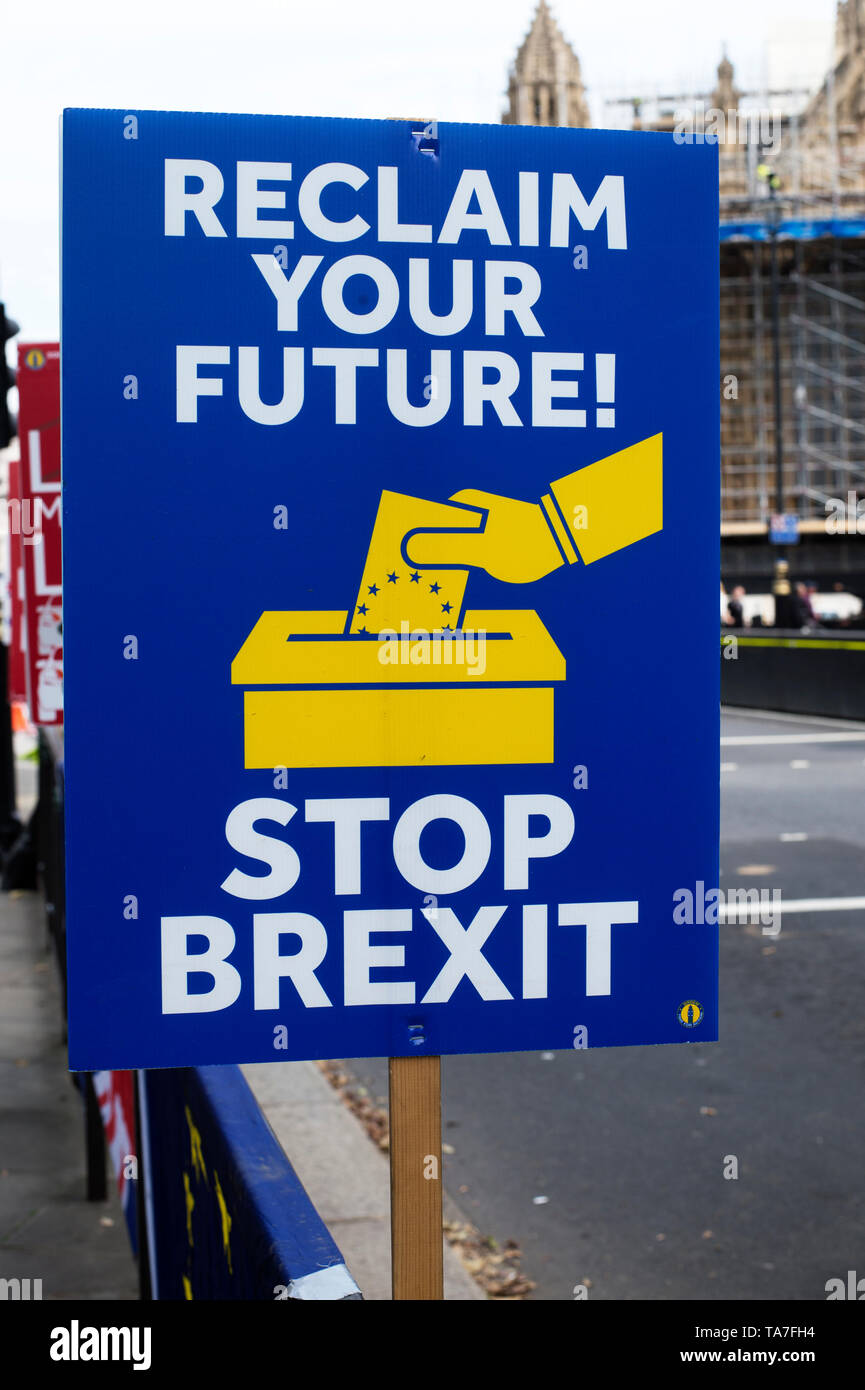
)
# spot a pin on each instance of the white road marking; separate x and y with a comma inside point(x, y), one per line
point(790, 835)
point(729, 767)
point(732, 912)
point(779, 716)
point(749, 740)
point(800, 763)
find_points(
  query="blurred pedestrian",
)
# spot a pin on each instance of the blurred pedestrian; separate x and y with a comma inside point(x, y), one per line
point(736, 607)
point(803, 607)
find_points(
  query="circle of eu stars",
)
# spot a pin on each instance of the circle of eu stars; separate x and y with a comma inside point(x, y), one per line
point(366, 609)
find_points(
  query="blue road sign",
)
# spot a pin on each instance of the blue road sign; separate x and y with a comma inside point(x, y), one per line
point(391, 554)
point(784, 528)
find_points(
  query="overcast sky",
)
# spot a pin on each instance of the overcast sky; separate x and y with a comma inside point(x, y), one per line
point(447, 59)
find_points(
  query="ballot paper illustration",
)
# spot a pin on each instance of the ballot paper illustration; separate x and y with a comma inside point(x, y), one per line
point(411, 677)
point(395, 595)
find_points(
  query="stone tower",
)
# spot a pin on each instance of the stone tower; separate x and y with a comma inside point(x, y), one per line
point(726, 96)
point(545, 86)
point(849, 28)
point(844, 124)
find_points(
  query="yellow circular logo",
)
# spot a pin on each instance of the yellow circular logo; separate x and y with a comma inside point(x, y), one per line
point(34, 359)
point(690, 1013)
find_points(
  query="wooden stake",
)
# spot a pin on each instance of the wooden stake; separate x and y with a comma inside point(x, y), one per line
point(416, 1178)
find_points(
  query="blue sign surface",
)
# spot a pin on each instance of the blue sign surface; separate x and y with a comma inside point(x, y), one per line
point(391, 549)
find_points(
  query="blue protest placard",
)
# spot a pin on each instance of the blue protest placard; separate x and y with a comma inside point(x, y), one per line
point(391, 547)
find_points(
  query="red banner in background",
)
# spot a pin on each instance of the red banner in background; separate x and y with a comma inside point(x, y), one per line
point(39, 526)
point(115, 1095)
point(17, 609)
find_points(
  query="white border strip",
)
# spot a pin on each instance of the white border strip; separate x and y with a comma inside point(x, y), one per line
point(331, 1283)
point(148, 1187)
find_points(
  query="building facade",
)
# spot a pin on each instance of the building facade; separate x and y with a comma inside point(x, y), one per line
point(792, 171)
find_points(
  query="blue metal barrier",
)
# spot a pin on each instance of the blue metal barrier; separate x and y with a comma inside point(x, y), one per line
point(227, 1216)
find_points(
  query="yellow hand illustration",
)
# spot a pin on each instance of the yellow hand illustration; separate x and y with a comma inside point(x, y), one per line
point(587, 515)
point(516, 544)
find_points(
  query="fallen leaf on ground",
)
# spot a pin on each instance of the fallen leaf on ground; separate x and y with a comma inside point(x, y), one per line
point(495, 1269)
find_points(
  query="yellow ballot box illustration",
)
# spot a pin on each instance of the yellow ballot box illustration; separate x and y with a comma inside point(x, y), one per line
point(408, 677)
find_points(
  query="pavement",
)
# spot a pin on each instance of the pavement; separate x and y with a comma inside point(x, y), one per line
point(48, 1230)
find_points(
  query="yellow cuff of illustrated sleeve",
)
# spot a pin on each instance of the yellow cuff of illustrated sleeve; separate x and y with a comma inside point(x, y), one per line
point(615, 502)
point(559, 531)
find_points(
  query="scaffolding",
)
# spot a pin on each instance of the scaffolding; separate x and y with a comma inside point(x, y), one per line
point(822, 359)
point(818, 218)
